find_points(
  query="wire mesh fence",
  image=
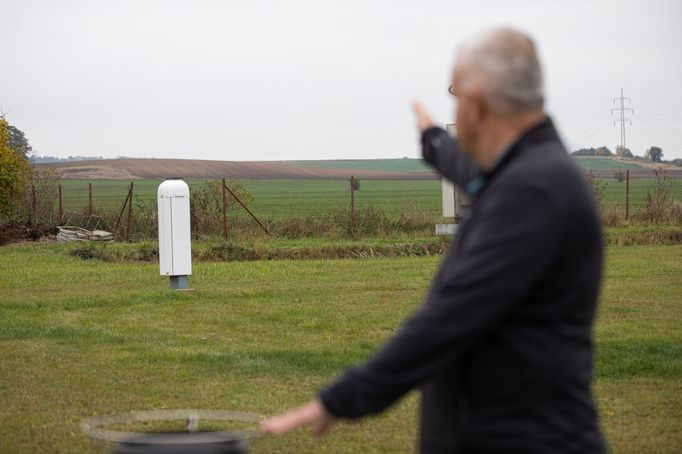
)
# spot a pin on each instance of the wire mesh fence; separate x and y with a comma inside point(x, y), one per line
point(323, 207)
point(649, 195)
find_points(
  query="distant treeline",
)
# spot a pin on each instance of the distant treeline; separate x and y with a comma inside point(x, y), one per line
point(601, 151)
point(652, 154)
point(48, 159)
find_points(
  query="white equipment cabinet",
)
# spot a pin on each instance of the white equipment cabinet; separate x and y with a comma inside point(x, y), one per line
point(175, 242)
point(454, 201)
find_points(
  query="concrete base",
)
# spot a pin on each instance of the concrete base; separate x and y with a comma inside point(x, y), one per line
point(446, 229)
point(178, 282)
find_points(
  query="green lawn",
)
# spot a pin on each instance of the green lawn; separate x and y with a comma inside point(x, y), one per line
point(80, 338)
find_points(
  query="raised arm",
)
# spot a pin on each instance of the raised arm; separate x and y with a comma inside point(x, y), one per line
point(442, 152)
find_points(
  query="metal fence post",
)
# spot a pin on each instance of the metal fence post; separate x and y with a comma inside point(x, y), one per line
point(34, 204)
point(130, 212)
point(224, 210)
point(253, 216)
point(352, 204)
point(61, 206)
point(89, 198)
point(627, 195)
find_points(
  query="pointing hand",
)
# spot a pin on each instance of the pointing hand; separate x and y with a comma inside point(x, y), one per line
point(311, 414)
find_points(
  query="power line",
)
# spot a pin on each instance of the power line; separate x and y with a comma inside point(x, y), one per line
point(660, 116)
point(648, 136)
point(597, 127)
point(622, 109)
point(665, 129)
point(601, 138)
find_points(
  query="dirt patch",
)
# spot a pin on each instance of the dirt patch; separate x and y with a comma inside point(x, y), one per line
point(96, 172)
point(194, 168)
point(648, 164)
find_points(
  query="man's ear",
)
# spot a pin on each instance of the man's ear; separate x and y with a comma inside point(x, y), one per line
point(479, 108)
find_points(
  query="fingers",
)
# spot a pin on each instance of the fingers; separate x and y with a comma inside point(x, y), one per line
point(289, 421)
point(418, 108)
point(424, 120)
point(313, 413)
point(286, 422)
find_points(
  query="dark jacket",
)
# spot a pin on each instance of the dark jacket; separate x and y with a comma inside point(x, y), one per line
point(502, 348)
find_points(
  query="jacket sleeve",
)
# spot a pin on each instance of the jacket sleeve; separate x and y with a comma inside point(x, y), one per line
point(443, 153)
point(507, 253)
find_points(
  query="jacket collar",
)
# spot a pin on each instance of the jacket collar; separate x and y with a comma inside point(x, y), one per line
point(541, 132)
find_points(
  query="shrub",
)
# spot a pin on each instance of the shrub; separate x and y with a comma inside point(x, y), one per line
point(206, 205)
point(613, 216)
point(15, 176)
point(335, 223)
point(598, 186)
point(372, 222)
point(660, 204)
point(46, 183)
point(416, 220)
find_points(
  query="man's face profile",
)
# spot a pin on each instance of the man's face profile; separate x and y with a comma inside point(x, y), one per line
point(464, 115)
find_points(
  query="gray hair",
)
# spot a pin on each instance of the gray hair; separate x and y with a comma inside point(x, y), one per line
point(506, 66)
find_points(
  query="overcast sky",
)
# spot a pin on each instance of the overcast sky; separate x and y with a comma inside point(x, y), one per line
point(278, 80)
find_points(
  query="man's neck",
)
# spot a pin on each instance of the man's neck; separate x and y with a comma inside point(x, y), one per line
point(504, 132)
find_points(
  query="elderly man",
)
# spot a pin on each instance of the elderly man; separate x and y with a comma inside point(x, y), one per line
point(502, 348)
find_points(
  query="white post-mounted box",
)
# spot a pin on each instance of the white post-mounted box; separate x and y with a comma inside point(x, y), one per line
point(453, 199)
point(448, 198)
point(175, 242)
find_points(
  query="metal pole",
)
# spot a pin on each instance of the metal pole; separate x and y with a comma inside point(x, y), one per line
point(130, 212)
point(352, 204)
point(247, 210)
point(61, 207)
point(89, 198)
point(120, 216)
point(224, 210)
point(627, 194)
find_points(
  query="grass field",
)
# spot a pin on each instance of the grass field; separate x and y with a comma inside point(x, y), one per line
point(604, 163)
point(80, 338)
point(414, 165)
point(615, 191)
point(385, 165)
point(277, 199)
